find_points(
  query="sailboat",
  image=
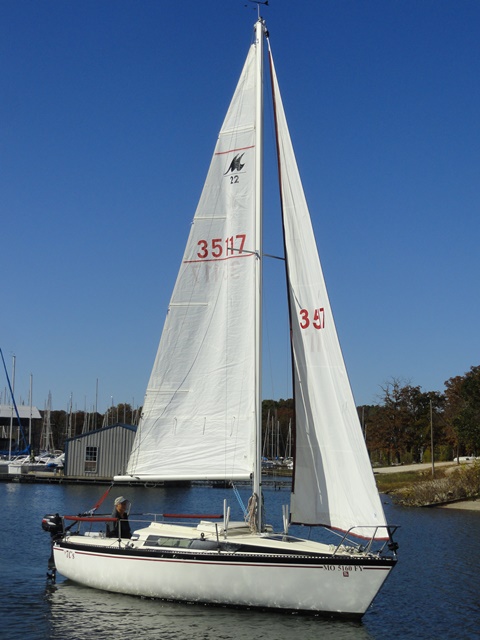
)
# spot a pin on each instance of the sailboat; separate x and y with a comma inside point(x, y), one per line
point(201, 417)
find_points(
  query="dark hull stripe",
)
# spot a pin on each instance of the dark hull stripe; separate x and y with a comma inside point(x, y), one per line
point(268, 559)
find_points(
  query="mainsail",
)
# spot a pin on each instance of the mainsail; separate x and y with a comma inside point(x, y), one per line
point(199, 412)
point(333, 479)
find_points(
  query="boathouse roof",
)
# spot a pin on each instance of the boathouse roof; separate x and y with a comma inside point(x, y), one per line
point(23, 412)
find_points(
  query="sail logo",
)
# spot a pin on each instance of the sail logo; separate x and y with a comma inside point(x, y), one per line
point(236, 164)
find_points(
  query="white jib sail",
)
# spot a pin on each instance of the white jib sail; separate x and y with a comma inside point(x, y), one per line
point(334, 483)
point(198, 416)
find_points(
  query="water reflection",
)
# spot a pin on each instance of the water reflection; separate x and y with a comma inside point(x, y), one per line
point(78, 613)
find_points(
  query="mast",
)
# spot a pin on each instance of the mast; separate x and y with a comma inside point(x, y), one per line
point(12, 391)
point(30, 416)
point(257, 473)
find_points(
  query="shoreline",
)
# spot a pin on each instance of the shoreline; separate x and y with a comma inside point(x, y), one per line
point(465, 505)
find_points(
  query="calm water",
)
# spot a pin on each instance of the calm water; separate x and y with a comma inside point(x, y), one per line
point(434, 592)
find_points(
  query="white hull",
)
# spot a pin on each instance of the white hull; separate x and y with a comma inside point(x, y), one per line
point(24, 464)
point(274, 575)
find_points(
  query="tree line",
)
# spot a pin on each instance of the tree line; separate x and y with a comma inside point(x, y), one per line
point(408, 422)
point(400, 429)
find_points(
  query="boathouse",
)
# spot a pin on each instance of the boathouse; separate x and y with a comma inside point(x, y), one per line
point(99, 454)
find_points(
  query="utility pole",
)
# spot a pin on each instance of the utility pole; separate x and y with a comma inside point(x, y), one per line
point(431, 439)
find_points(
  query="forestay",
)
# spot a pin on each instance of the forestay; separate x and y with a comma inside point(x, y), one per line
point(199, 412)
point(333, 479)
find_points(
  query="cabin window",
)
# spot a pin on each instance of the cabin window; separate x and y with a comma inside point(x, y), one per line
point(91, 457)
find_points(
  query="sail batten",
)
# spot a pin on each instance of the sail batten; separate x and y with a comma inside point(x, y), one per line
point(230, 132)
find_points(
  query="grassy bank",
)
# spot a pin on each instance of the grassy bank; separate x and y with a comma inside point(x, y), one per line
point(420, 488)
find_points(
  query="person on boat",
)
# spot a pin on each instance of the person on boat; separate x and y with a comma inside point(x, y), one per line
point(121, 528)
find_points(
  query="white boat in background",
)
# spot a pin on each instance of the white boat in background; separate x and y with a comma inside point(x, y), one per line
point(51, 459)
point(202, 411)
point(48, 460)
point(45, 462)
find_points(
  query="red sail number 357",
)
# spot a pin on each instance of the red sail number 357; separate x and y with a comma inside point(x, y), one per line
point(318, 321)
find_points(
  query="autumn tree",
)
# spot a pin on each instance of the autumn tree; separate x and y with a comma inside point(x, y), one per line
point(463, 410)
point(399, 429)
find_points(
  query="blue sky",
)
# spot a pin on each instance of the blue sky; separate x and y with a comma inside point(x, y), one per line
point(109, 114)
